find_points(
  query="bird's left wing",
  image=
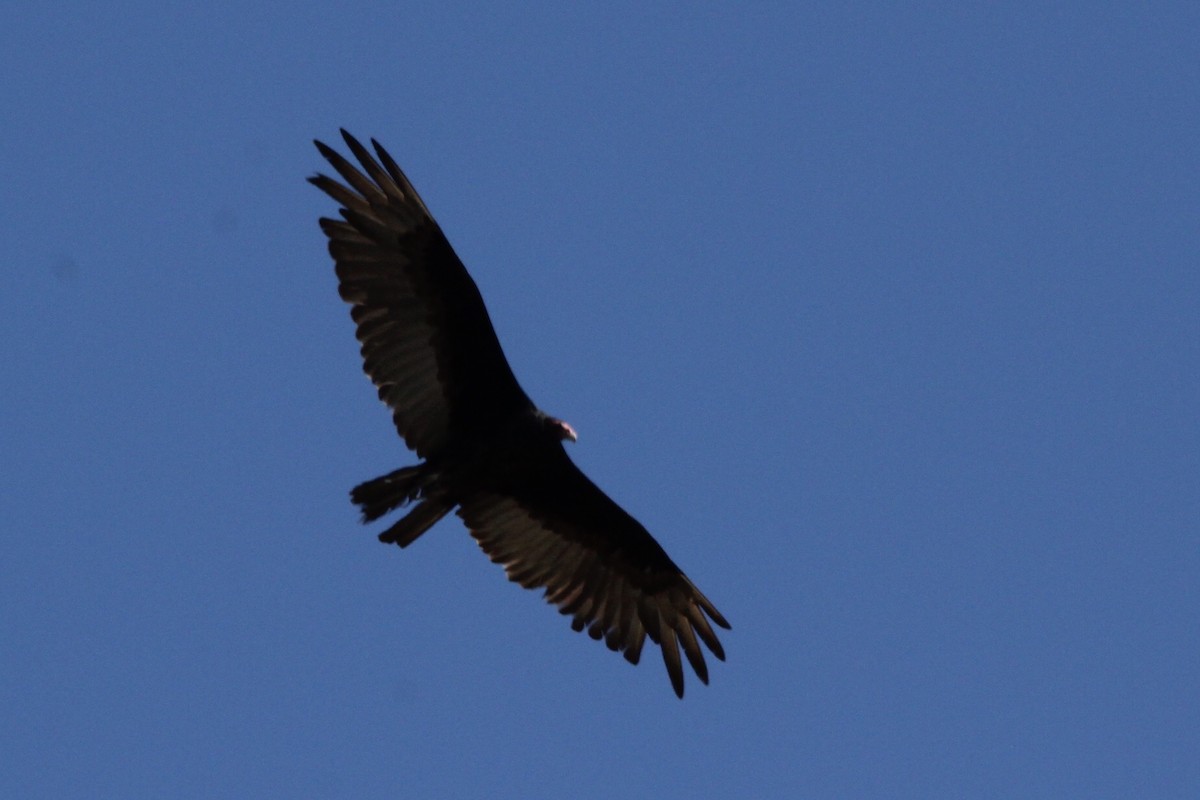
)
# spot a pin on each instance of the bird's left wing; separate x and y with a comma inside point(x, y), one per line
point(554, 529)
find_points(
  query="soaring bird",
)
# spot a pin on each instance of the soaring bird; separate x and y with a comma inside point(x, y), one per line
point(486, 451)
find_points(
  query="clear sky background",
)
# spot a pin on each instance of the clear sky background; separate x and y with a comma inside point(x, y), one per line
point(883, 318)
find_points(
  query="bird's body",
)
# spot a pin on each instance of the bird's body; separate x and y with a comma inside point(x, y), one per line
point(488, 452)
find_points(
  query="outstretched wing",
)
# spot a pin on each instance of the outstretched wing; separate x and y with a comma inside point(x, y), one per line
point(552, 528)
point(427, 342)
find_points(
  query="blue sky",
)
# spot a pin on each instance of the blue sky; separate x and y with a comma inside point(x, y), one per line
point(883, 318)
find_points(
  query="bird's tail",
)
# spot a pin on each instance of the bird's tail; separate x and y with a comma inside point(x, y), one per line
point(395, 490)
point(389, 492)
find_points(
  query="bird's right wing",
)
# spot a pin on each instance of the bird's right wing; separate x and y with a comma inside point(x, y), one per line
point(428, 344)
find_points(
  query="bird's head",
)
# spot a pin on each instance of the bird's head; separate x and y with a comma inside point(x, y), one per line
point(561, 429)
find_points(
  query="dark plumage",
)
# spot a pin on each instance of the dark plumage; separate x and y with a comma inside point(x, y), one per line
point(487, 452)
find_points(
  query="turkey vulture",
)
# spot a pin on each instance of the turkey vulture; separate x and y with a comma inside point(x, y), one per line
point(488, 453)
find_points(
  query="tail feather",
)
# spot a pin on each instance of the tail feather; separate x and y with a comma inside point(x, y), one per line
point(396, 490)
point(389, 492)
point(416, 522)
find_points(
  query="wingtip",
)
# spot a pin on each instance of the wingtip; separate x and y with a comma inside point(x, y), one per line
point(349, 139)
